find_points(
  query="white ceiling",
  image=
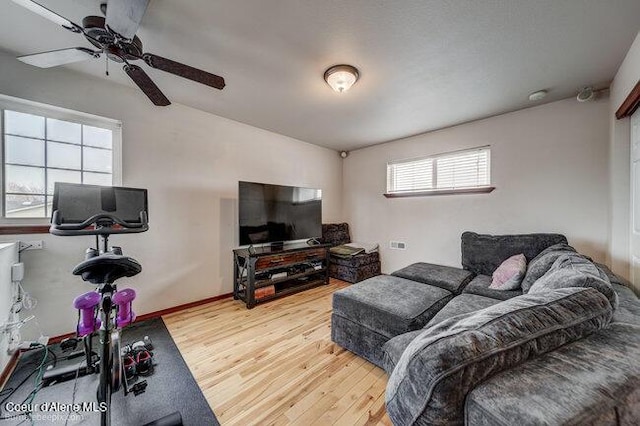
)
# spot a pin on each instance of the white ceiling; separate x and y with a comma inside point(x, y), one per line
point(424, 64)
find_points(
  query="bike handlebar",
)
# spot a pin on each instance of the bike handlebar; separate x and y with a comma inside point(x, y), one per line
point(82, 228)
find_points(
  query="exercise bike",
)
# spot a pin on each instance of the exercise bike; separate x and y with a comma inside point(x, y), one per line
point(103, 211)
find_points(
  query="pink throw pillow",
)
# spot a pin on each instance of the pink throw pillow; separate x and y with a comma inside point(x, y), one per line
point(510, 273)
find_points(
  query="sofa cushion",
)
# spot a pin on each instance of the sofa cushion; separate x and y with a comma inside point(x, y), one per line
point(390, 305)
point(446, 277)
point(451, 358)
point(509, 274)
point(395, 347)
point(482, 254)
point(573, 270)
point(541, 264)
point(628, 305)
point(462, 304)
point(480, 286)
point(594, 381)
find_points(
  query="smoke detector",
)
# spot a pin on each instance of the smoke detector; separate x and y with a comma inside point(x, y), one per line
point(586, 94)
point(536, 96)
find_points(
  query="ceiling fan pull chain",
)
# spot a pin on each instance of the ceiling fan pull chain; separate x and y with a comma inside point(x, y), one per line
point(106, 58)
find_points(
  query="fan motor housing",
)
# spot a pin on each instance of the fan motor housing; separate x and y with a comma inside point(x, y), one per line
point(100, 37)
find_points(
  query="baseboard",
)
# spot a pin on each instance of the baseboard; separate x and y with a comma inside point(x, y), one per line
point(178, 308)
point(155, 314)
point(60, 338)
point(13, 361)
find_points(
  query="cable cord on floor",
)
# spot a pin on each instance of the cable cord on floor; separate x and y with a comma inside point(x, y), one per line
point(38, 383)
point(10, 391)
point(37, 386)
point(73, 395)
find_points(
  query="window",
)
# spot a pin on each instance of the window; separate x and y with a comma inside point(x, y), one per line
point(306, 195)
point(461, 171)
point(42, 145)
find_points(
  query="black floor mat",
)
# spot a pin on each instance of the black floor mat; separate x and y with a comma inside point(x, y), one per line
point(170, 388)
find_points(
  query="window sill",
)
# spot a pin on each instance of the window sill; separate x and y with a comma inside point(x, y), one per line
point(481, 190)
point(23, 229)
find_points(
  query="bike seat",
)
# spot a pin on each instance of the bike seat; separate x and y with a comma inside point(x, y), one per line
point(106, 268)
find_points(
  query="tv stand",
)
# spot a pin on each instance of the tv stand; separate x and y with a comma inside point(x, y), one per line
point(279, 245)
point(265, 273)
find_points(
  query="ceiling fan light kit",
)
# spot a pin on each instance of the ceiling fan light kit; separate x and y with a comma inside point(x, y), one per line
point(341, 77)
point(115, 37)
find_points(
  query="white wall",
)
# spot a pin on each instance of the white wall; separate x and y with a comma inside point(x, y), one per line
point(191, 162)
point(8, 292)
point(548, 163)
point(626, 78)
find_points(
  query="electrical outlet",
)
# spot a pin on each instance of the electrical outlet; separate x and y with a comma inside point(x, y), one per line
point(31, 245)
point(398, 245)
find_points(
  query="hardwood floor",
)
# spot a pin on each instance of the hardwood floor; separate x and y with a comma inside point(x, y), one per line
point(276, 363)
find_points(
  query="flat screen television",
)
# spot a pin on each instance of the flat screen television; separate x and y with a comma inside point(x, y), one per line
point(276, 213)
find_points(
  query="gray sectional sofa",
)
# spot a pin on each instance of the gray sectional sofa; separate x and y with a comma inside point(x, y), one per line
point(563, 351)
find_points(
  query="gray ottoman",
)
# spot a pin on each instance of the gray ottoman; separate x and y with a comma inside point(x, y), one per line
point(366, 315)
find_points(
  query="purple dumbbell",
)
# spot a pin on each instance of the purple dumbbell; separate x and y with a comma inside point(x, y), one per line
point(123, 299)
point(86, 304)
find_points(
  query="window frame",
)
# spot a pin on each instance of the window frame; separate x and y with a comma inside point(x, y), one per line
point(40, 225)
point(479, 189)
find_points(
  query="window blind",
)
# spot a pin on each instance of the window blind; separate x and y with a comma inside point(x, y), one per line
point(449, 171)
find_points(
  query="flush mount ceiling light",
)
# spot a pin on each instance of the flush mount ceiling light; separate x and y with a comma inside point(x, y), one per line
point(341, 77)
point(536, 96)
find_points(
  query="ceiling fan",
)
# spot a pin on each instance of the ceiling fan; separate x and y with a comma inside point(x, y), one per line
point(115, 37)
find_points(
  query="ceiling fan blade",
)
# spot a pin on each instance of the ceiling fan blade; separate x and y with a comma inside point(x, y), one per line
point(147, 85)
point(49, 14)
point(54, 58)
point(124, 16)
point(185, 71)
